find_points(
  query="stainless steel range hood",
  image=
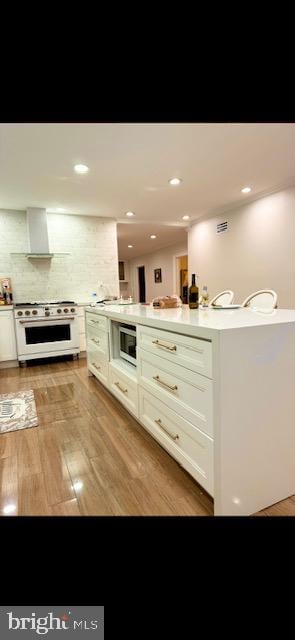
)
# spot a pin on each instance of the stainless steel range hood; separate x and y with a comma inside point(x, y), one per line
point(38, 233)
point(38, 243)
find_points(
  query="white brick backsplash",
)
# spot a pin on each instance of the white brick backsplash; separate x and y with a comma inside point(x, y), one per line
point(91, 242)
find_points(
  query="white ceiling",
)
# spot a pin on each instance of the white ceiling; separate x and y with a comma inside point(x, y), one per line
point(139, 236)
point(130, 165)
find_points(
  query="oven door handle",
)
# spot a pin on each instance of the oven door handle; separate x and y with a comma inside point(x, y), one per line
point(64, 319)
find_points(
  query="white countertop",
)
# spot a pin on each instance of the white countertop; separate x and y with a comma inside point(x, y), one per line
point(6, 307)
point(192, 322)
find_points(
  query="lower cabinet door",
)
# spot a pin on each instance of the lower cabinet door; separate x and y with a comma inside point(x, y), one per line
point(98, 365)
point(125, 389)
point(7, 336)
point(192, 448)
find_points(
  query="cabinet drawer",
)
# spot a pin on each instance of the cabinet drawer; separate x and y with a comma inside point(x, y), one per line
point(98, 364)
point(99, 339)
point(93, 320)
point(187, 444)
point(124, 389)
point(193, 353)
point(186, 392)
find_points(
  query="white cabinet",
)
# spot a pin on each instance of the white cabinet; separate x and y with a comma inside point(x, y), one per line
point(7, 337)
point(124, 388)
point(185, 391)
point(97, 363)
point(82, 331)
point(191, 447)
point(192, 353)
point(170, 392)
point(97, 346)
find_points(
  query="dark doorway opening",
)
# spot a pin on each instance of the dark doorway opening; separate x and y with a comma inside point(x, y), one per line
point(141, 284)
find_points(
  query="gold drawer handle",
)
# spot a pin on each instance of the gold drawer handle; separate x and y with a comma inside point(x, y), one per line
point(95, 340)
point(169, 386)
point(174, 437)
point(95, 365)
point(121, 388)
point(166, 346)
point(94, 321)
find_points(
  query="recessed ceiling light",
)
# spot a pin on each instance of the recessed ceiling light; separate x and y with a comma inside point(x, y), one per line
point(185, 217)
point(81, 168)
point(246, 190)
point(130, 246)
point(153, 237)
point(175, 181)
point(130, 214)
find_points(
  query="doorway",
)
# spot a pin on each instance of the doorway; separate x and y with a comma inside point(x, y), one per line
point(181, 273)
point(141, 284)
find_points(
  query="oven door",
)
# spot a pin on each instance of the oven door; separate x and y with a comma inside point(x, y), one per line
point(47, 336)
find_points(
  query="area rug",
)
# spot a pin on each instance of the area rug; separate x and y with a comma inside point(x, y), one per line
point(17, 411)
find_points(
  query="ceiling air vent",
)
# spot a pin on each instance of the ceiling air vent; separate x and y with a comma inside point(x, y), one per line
point(221, 227)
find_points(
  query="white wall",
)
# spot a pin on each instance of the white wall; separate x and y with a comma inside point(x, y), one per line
point(163, 259)
point(91, 242)
point(257, 252)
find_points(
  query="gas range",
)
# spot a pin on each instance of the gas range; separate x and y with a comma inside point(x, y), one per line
point(43, 309)
point(46, 328)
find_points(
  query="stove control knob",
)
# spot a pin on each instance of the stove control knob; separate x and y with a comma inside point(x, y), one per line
point(47, 313)
point(34, 312)
point(27, 312)
point(19, 313)
point(73, 310)
point(58, 310)
point(66, 310)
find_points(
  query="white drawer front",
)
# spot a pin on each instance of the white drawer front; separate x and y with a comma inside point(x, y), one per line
point(186, 392)
point(93, 320)
point(98, 364)
point(124, 389)
point(193, 353)
point(99, 339)
point(187, 444)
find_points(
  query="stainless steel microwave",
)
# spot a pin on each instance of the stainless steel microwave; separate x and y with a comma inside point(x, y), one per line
point(128, 343)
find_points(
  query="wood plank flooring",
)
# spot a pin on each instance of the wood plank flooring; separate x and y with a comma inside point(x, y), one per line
point(88, 456)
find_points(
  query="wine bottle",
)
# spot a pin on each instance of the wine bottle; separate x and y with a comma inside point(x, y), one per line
point(193, 297)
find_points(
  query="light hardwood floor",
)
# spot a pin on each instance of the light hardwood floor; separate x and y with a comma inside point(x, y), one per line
point(88, 456)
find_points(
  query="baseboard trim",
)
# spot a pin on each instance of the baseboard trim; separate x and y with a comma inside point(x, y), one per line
point(8, 364)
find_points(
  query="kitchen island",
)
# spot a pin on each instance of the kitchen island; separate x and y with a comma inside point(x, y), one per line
point(215, 388)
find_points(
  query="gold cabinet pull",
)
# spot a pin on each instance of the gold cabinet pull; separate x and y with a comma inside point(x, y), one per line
point(174, 437)
point(95, 365)
point(121, 388)
point(94, 321)
point(165, 384)
point(166, 346)
point(95, 340)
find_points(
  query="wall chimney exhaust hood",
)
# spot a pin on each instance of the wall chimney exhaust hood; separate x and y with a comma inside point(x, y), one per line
point(38, 242)
point(38, 233)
